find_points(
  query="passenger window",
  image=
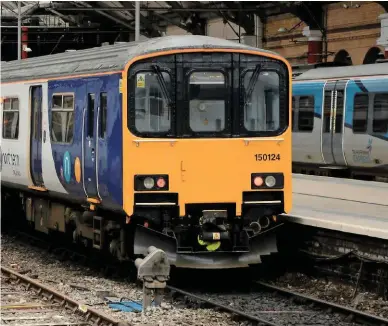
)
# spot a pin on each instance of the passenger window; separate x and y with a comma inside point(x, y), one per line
point(91, 98)
point(103, 114)
point(360, 113)
point(207, 95)
point(380, 113)
point(11, 118)
point(262, 109)
point(152, 110)
point(62, 118)
point(306, 113)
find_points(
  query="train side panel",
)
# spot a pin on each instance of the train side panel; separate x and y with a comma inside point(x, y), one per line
point(15, 135)
point(365, 149)
point(306, 144)
point(89, 162)
point(16, 141)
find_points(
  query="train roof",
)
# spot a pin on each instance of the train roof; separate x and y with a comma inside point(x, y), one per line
point(107, 58)
point(324, 73)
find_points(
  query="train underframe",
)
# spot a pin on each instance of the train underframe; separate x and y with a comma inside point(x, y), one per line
point(209, 236)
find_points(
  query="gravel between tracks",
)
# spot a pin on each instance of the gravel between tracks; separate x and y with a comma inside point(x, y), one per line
point(334, 292)
point(61, 275)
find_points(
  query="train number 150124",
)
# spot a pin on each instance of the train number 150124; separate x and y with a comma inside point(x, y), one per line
point(267, 157)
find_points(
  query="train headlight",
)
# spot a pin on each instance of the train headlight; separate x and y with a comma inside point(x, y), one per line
point(270, 181)
point(258, 181)
point(161, 183)
point(267, 181)
point(149, 183)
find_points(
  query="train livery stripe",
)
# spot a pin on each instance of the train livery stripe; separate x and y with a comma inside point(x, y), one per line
point(128, 201)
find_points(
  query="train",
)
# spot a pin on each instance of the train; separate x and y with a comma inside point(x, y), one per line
point(180, 142)
point(340, 121)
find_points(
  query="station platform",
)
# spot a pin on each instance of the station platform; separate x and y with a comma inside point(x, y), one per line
point(352, 206)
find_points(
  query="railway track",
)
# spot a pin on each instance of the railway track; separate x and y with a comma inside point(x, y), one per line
point(269, 305)
point(24, 301)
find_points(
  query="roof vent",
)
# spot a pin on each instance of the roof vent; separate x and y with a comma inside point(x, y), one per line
point(70, 50)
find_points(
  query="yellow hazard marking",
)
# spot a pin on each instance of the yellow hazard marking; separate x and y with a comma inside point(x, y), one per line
point(140, 81)
point(210, 246)
point(201, 242)
point(213, 246)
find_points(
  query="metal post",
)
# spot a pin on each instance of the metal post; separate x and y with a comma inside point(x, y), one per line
point(137, 20)
point(19, 31)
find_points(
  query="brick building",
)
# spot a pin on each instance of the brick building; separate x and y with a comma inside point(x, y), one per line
point(354, 34)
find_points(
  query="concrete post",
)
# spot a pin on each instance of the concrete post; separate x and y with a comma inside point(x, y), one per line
point(314, 38)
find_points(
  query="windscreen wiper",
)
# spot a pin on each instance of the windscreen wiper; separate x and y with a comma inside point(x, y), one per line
point(252, 83)
point(162, 84)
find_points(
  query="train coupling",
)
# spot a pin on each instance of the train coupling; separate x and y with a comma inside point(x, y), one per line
point(154, 272)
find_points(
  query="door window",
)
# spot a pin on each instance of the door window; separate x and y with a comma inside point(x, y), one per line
point(327, 111)
point(207, 101)
point(91, 100)
point(103, 114)
point(360, 113)
point(339, 111)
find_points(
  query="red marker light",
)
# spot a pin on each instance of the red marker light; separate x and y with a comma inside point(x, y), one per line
point(161, 183)
point(258, 181)
point(146, 224)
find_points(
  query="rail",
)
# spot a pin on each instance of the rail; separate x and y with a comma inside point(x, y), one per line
point(90, 314)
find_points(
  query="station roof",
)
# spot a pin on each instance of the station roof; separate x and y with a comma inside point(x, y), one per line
point(191, 16)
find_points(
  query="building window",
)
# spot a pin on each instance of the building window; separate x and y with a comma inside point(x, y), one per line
point(380, 113)
point(360, 113)
point(207, 98)
point(103, 114)
point(11, 118)
point(306, 113)
point(62, 118)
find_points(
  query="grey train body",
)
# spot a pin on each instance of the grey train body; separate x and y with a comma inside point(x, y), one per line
point(340, 121)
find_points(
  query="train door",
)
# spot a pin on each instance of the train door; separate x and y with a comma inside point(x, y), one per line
point(333, 122)
point(36, 135)
point(89, 134)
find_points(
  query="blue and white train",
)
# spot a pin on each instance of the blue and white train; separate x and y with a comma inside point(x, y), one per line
point(340, 121)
